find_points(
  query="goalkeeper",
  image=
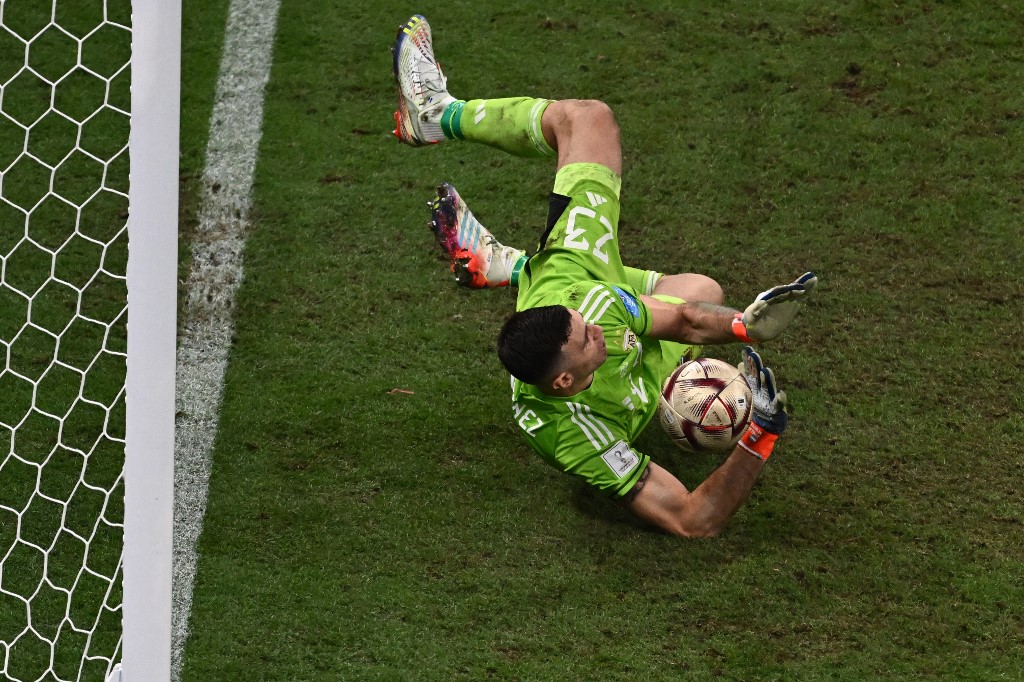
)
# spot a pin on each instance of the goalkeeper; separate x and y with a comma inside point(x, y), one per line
point(592, 340)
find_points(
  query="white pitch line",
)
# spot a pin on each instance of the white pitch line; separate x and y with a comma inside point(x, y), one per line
point(235, 129)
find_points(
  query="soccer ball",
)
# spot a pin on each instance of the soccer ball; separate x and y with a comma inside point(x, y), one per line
point(705, 405)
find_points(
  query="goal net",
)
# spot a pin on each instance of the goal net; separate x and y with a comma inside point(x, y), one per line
point(65, 104)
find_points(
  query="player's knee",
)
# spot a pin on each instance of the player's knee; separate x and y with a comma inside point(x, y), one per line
point(583, 131)
point(708, 289)
point(596, 115)
point(575, 115)
point(691, 287)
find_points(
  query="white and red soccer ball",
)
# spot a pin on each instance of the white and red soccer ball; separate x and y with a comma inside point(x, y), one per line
point(705, 405)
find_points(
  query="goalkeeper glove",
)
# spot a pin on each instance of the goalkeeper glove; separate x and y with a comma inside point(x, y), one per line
point(773, 310)
point(770, 418)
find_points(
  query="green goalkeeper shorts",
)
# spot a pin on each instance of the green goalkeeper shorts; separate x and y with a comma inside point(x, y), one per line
point(582, 239)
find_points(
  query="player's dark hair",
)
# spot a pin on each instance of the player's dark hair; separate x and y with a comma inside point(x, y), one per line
point(531, 341)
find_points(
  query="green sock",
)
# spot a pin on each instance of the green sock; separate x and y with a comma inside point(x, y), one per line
point(511, 124)
point(513, 280)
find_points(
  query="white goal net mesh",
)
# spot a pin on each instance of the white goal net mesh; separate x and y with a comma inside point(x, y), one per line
point(64, 124)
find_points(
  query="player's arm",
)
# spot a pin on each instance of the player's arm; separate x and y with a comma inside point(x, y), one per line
point(707, 323)
point(704, 512)
point(698, 322)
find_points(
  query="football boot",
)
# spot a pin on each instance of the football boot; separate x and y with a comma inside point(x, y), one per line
point(422, 88)
point(479, 260)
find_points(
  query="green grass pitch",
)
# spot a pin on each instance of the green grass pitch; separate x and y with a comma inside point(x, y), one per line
point(358, 534)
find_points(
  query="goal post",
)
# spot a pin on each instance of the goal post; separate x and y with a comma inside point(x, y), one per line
point(89, 97)
point(152, 300)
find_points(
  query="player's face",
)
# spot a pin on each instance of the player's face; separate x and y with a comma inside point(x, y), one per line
point(585, 349)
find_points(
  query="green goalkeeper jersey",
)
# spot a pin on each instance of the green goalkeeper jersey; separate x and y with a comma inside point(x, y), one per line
point(590, 434)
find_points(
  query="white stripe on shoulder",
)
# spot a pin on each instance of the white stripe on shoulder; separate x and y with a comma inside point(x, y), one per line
point(604, 298)
point(598, 424)
point(611, 299)
point(590, 295)
point(595, 430)
point(584, 426)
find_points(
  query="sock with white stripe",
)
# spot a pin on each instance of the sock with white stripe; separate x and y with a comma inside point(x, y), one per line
point(511, 124)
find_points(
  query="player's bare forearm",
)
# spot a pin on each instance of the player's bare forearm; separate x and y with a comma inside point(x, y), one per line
point(665, 502)
point(728, 487)
point(699, 323)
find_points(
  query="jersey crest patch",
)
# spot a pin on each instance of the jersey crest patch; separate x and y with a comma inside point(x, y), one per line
point(620, 459)
point(627, 300)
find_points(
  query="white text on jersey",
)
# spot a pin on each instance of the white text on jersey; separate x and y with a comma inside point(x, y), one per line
point(524, 416)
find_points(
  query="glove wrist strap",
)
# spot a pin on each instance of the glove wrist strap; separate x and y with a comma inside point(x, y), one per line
point(758, 442)
point(739, 329)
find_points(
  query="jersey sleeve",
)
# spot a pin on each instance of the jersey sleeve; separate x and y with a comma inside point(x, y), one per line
point(574, 439)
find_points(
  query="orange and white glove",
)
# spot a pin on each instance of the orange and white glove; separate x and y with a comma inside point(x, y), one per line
point(770, 417)
point(773, 310)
